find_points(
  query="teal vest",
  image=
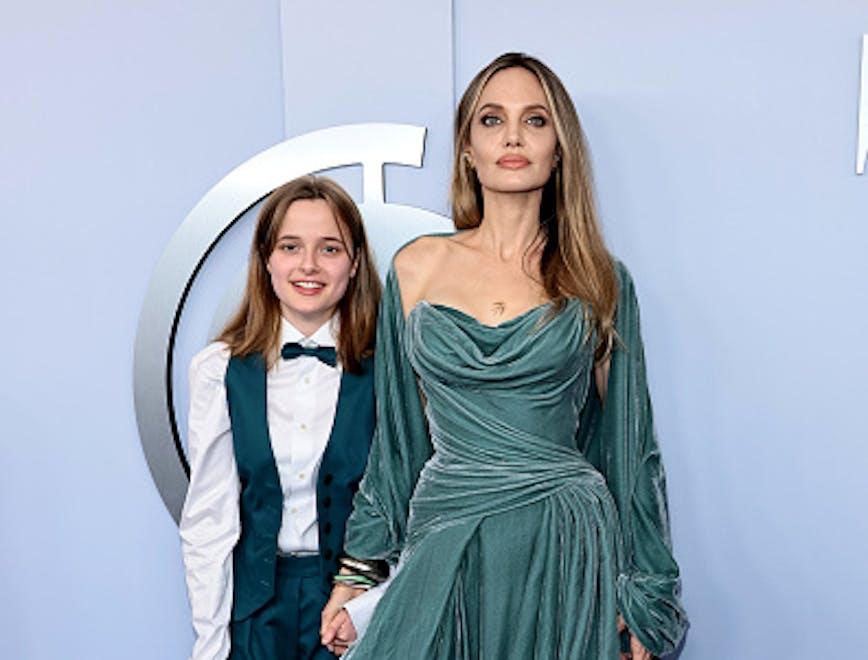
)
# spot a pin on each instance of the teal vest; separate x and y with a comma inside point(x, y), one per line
point(261, 500)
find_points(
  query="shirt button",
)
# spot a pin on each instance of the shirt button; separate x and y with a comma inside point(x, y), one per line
point(294, 509)
point(303, 427)
point(301, 475)
point(306, 380)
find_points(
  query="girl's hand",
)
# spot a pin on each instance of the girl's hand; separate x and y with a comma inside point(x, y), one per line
point(339, 633)
point(341, 595)
point(637, 651)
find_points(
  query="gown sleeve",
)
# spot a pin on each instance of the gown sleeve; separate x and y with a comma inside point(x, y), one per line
point(618, 438)
point(210, 524)
point(400, 447)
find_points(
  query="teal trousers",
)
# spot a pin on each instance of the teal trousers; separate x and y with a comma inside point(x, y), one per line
point(287, 627)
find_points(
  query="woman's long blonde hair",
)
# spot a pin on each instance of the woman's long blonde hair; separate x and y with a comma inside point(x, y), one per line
point(255, 326)
point(574, 262)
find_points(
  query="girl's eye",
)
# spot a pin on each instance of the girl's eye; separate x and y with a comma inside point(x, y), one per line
point(489, 120)
point(536, 120)
point(289, 247)
point(331, 249)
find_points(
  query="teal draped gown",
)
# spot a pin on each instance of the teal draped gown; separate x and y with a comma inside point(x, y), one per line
point(526, 514)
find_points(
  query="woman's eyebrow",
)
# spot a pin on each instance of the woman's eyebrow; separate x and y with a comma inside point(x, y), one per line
point(490, 106)
point(498, 106)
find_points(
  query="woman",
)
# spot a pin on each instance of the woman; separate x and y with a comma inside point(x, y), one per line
point(281, 417)
point(527, 504)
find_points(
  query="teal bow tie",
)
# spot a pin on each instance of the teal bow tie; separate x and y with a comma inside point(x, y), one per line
point(325, 354)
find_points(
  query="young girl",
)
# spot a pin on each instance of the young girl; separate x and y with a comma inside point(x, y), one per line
point(281, 417)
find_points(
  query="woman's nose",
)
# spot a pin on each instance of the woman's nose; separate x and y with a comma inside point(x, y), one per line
point(513, 134)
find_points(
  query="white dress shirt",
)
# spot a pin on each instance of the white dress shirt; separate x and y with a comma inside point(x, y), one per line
point(301, 400)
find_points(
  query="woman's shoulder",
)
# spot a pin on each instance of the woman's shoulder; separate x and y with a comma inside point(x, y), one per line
point(420, 251)
point(416, 262)
point(621, 270)
point(626, 288)
point(210, 363)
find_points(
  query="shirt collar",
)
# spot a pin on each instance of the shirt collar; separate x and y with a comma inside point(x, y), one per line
point(323, 336)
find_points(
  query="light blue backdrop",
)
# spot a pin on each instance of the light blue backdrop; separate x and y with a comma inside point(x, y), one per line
point(723, 137)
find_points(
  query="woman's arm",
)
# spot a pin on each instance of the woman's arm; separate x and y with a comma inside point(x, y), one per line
point(400, 447)
point(210, 524)
point(618, 437)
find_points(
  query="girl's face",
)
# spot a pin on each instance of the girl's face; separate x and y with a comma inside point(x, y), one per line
point(512, 143)
point(310, 266)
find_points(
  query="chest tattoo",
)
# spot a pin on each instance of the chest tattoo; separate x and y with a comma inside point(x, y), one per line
point(498, 308)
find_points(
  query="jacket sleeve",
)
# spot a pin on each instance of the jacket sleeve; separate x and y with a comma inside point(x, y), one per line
point(618, 438)
point(401, 445)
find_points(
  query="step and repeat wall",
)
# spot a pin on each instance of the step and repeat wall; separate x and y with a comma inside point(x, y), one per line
point(138, 139)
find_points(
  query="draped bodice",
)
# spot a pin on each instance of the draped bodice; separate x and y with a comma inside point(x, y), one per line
point(515, 387)
point(503, 405)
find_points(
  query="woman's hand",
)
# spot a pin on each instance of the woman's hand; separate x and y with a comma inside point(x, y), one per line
point(637, 651)
point(339, 633)
point(336, 628)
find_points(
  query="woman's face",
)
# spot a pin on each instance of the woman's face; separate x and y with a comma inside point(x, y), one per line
point(512, 142)
point(310, 267)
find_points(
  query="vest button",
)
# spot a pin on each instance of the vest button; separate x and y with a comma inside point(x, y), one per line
point(327, 479)
point(327, 553)
point(327, 501)
point(327, 528)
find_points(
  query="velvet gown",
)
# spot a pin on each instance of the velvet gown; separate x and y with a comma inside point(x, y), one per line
point(525, 514)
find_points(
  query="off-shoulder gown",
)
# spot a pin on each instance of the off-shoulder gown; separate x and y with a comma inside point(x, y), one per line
point(525, 513)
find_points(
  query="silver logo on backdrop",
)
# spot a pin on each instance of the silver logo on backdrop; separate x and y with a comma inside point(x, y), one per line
point(389, 226)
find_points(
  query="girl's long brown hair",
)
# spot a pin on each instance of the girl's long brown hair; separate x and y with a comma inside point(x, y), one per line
point(255, 326)
point(574, 262)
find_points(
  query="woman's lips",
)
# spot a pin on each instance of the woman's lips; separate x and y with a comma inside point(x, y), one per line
point(513, 162)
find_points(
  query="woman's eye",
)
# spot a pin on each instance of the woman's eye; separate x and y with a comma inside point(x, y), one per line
point(489, 120)
point(331, 249)
point(289, 247)
point(537, 120)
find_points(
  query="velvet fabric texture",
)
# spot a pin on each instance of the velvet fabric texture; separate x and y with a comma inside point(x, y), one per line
point(526, 515)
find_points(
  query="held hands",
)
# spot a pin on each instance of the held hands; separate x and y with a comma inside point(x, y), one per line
point(637, 651)
point(337, 630)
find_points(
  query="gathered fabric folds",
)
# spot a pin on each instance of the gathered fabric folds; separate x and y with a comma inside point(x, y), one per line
point(510, 536)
